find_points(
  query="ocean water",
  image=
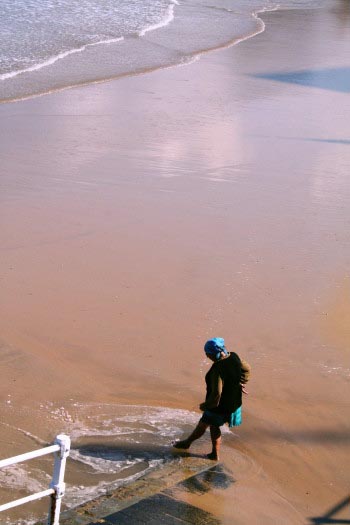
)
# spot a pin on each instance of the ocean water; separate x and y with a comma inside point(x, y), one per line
point(35, 33)
point(48, 45)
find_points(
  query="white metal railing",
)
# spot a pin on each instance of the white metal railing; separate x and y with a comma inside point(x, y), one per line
point(61, 448)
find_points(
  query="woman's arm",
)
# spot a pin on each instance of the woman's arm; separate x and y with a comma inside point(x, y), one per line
point(245, 375)
point(245, 372)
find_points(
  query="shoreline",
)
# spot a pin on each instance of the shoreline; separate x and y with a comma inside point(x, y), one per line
point(184, 60)
point(196, 201)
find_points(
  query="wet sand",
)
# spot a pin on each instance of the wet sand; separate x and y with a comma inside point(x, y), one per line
point(142, 216)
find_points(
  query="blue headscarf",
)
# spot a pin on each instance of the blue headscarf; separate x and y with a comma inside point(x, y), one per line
point(214, 347)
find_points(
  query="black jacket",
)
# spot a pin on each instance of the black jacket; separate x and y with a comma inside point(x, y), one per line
point(229, 371)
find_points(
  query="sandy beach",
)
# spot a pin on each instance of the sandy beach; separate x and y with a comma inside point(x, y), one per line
point(142, 216)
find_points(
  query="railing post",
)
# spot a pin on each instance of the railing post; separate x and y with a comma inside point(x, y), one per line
point(57, 483)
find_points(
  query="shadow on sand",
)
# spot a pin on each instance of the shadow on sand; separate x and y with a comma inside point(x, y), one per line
point(328, 517)
point(215, 478)
point(322, 436)
point(342, 142)
point(333, 79)
point(160, 509)
point(328, 141)
point(133, 451)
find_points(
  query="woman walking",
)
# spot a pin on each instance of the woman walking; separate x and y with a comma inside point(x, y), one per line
point(225, 383)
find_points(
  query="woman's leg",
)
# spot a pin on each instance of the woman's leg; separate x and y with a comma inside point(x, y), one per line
point(196, 434)
point(215, 434)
